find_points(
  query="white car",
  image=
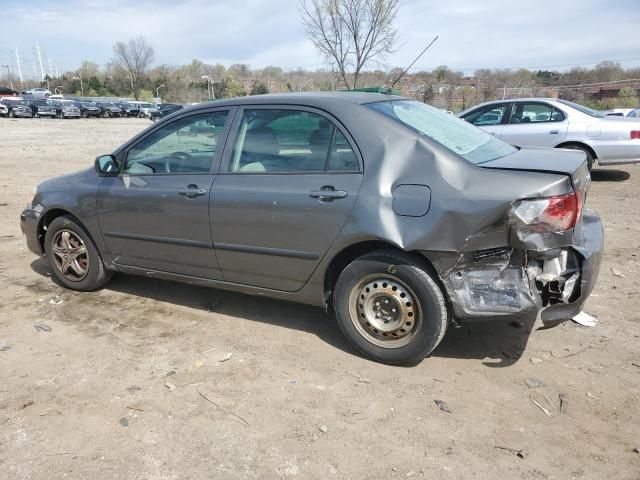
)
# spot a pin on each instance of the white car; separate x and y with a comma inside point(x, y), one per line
point(37, 93)
point(547, 122)
point(146, 109)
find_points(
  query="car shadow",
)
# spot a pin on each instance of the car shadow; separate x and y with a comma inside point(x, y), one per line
point(498, 343)
point(607, 175)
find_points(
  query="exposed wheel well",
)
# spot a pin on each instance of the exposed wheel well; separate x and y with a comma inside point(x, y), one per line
point(581, 145)
point(349, 254)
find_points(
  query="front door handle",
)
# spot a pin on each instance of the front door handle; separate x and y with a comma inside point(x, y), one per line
point(327, 194)
point(192, 191)
point(554, 132)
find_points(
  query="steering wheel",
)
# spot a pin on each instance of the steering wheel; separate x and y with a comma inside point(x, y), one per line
point(179, 158)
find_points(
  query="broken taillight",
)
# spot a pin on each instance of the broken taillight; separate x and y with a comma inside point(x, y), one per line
point(549, 214)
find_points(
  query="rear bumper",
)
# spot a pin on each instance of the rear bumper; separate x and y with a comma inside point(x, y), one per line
point(506, 283)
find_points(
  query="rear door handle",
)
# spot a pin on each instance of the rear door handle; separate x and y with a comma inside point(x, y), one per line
point(554, 132)
point(328, 194)
point(192, 191)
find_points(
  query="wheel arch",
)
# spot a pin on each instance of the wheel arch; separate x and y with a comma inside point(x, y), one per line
point(350, 253)
point(578, 144)
point(49, 216)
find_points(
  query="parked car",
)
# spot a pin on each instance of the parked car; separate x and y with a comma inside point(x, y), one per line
point(37, 93)
point(110, 110)
point(17, 108)
point(128, 110)
point(66, 108)
point(7, 92)
point(42, 108)
point(398, 216)
point(634, 113)
point(546, 122)
point(146, 109)
point(89, 109)
point(165, 110)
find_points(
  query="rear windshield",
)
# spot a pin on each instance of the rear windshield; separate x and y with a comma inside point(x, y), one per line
point(471, 143)
point(581, 108)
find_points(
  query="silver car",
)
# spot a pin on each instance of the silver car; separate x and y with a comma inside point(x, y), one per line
point(546, 122)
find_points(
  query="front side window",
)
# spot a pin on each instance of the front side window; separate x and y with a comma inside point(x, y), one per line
point(487, 115)
point(289, 141)
point(456, 135)
point(522, 112)
point(186, 145)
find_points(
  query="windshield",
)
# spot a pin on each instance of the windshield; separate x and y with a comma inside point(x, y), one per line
point(473, 144)
point(581, 108)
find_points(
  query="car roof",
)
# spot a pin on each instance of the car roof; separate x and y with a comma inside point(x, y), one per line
point(316, 99)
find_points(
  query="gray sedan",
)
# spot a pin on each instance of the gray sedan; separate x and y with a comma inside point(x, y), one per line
point(399, 217)
point(546, 122)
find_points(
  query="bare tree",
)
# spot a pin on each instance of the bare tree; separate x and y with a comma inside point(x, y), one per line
point(133, 58)
point(350, 33)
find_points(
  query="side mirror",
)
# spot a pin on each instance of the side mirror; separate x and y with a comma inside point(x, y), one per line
point(107, 166)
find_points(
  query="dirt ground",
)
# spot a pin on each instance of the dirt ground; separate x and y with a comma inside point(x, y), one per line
point(149, 379)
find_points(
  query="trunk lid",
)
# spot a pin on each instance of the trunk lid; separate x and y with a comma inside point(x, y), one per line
point(572, 163)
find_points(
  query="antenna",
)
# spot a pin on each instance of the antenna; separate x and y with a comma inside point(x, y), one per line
point(412, 63)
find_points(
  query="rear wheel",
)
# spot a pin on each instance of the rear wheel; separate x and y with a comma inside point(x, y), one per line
point(74, 259)
point(390, 307)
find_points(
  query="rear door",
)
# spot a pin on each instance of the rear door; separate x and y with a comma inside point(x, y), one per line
point(155, 214)
point(288, 182)
point(490, 118)
point(535, 124)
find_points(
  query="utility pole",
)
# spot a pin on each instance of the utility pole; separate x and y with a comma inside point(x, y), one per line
point(50, 69)
point(19, 68)
point(40, 60)
point(9, 73)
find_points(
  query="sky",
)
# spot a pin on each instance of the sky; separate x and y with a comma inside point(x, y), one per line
point(534, 34)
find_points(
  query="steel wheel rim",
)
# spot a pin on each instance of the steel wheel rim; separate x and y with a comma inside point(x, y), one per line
point(70, 255)
point(385, 311)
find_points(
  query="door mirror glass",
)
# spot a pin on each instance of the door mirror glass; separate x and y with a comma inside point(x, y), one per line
point(107, 165)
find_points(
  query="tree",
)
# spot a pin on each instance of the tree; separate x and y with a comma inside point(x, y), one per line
point(350, 34)
point(133, 58)
point(259, 89)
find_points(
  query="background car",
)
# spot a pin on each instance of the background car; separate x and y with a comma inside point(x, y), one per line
point(66, 108)
point(634, 113)
point(128, 109)
point(7, 92)
point(17, 108)
point(89, 109)
point(110, 110)
point(546, 122)
point(42, 108)
point(146, 109)
point(395, 214)
point(165, 110)
point(37, 93)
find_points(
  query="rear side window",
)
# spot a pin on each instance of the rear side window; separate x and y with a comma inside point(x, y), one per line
point(289, 141)
point(471, 143)
point(534, 113)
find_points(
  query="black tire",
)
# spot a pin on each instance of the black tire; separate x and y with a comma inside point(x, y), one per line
point(429, 320)
point(83, 114)
point(586, 152)
point(96, 275)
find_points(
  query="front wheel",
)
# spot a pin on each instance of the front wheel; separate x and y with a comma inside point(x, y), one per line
point(390, 307)
point(74, 259)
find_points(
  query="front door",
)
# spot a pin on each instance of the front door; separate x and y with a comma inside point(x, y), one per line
point(286, 188)
point(155, 214)
point(535, 124)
